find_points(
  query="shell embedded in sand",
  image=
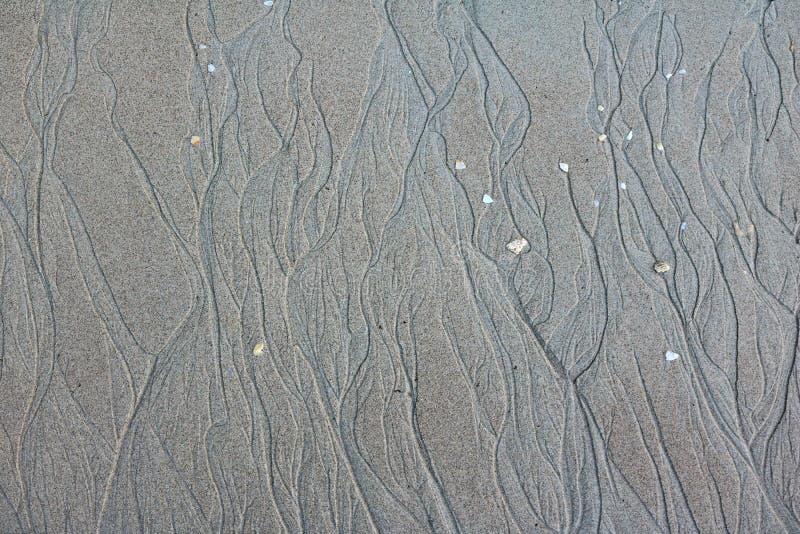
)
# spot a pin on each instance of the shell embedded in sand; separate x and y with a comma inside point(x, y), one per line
point(661, 267)
point(460, 165)
point(258, 349)
point(518, 246)
point(195, 140)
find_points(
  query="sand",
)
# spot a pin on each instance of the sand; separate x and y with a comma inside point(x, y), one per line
point(455, 266)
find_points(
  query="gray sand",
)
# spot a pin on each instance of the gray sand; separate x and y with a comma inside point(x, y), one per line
point(308, 320)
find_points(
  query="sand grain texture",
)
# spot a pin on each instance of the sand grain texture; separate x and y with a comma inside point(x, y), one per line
point(265, 297)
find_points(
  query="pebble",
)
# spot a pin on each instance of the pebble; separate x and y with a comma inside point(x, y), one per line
point(211, 67)
point(661, 267)
point(518, 246)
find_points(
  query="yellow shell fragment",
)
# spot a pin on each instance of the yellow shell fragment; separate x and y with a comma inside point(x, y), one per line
point(258, 349)
point(661, 267)
point(195, 140)
point(660, 147)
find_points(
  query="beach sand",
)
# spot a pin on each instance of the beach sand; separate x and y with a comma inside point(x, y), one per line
point(453, 266)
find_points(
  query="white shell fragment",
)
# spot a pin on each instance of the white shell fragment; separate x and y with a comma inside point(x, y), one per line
point(268, 3)
point(211, 67)
point(668, 75)
point(518, 246)
point(563, 166)
point(623, 185)
point(596, 203)
point(602, 137)
point(660, 147)
point(258, 349)
point(460, 165)
point(661, 267)
point(683, 226)
point(201, 46)
point(629, 136)
point(600, 108)
point(487, 199)
point(670, 356)
point(682, 71)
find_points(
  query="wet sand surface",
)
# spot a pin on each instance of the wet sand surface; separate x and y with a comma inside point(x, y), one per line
point(454, 266)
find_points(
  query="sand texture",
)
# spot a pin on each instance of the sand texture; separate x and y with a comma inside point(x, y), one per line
point(409, 266)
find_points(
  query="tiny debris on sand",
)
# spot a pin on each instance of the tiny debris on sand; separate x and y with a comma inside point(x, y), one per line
point(258, 349)
point(670, 356)
point(195, 140)
point(602, 137)
point(660, 147)
point(460, 165)
point(661, 267)
point(487, 199)
point(211, 67)
point(518, 246)
point(563, 166)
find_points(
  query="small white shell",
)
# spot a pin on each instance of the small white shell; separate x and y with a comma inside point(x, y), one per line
point(487, 199)
point(563, 166)
point(668, 75)
point(211, 67)
point(683, 226)
point(629, 136)
point(518, 246)
point(201, 46)
point(600, 108)
point(670, 356)
point(596, 203)
point(258, 349)
point(460, 165)
point(661, 267)
point(268, 3)
point(623, 185)
point(659, 146)
point(682, 71)
point(602, 137)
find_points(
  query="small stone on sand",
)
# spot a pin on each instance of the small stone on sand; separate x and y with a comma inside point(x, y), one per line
point(602, 137)
point(660, 147)
point(600, 108)
point(195, 140)
point(258, 349)
point(211, 67)
point(563, 166)
point(460, 165)
point(518, 246)
point(661, 267)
